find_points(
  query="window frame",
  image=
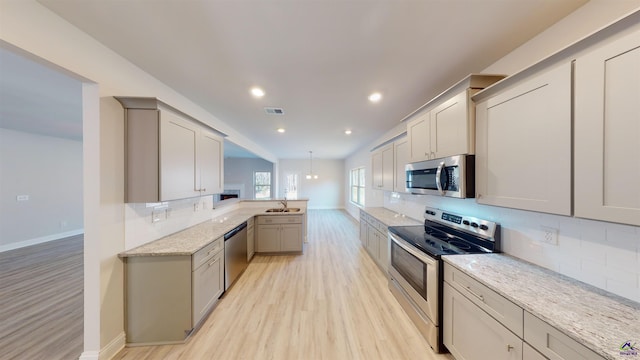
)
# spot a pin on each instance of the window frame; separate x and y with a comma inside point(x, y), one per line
point(357, 175)
point(256, 185)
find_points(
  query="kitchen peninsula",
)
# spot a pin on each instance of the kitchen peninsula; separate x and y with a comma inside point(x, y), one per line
point(173, 283)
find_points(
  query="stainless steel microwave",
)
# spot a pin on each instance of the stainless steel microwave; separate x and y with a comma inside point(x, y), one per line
point(452, 176)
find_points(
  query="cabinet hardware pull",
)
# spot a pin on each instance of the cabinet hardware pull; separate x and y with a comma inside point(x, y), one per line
point(509, 348)
point(480, 297)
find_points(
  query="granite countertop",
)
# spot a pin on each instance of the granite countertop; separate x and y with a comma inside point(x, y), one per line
point(599, 320)
point(389, 217)
point(194, 238)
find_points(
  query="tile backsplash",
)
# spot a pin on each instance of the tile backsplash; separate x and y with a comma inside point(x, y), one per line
point(605, 255)
point(148, 222)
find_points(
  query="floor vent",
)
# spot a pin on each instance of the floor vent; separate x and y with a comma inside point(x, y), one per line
point(274, 111)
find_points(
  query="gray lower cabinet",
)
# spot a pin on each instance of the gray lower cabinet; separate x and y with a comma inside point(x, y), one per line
point(279, 233)
point(166, 297)
point(373, 235)
point(469, 333)
point(251, 244)
point(479, 323)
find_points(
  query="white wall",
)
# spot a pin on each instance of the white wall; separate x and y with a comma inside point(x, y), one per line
point(49, 171)
point(239, 172)
point(326, 192)
point(602, 254)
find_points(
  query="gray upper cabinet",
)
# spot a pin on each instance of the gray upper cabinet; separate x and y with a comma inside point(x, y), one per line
point(563, 135)
point(607, 131)
point(445, 125)
point(523, 148)
point(169, 155)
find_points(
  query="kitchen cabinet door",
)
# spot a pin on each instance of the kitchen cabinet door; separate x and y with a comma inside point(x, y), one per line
point(291, 238)
point(523, 144)
point(363, 229)
point(208, 285)
point(382, 168)
point(372, 242)
point(607, 132)
point(383, 252)
point(419, 137)
point(178, 163)
point(251, 245)
point(210, 154)
point(451, 128)
point(401, 154)
point(471, 334)
point(268, 238)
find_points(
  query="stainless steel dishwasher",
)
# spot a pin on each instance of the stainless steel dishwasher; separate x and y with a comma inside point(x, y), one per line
point(235, 254)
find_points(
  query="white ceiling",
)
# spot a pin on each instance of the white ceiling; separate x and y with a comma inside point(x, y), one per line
point(317, 59)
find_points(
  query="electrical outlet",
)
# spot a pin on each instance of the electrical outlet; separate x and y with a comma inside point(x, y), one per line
point(63, 224)
point(549, 235)
point(196, 206)
point(155, 216)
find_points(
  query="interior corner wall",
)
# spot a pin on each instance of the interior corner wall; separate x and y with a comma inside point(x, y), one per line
point(239, 171)
point(325, 192)
point(49, 171)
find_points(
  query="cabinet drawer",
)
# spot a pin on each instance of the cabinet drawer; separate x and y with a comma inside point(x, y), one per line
point(204, 254)
point(552, 343)
point(279, 219)
point(503, 310)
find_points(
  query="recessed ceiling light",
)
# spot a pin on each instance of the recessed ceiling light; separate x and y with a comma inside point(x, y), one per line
point(348, 132)
point(281, 130)
point(257, 92)
point(375, 97)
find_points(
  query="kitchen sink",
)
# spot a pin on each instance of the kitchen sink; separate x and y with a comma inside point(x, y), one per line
point(283, 210)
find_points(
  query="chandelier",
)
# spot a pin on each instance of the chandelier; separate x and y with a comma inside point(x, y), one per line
point(311, 175)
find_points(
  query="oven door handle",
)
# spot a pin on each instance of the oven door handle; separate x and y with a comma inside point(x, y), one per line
point(438, 178)
point(411, 250)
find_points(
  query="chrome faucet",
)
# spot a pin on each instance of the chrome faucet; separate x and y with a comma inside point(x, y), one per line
point(284, 202)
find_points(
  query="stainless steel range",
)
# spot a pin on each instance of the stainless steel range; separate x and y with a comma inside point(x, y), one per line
point(416, 267)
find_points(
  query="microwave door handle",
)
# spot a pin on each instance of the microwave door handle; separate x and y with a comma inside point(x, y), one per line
point(438, 180)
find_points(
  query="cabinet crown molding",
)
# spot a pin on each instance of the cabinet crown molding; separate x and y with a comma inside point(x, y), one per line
point(473, 81)
point(152, 103)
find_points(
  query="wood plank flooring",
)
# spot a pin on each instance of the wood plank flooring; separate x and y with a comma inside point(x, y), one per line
point(41, 301)
point(330, 303)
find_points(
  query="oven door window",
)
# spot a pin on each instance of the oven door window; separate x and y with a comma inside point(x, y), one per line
point(412, 270)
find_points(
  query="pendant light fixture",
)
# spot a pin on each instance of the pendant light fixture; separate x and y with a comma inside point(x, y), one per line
point(311, 175)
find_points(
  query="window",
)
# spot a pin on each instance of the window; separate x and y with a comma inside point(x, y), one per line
point(291, 186)
point(357, 186)
point(262, 184)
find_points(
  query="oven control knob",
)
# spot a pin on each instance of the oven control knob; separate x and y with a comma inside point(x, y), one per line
point(474, 225)
point(484, 227)
point(466, 222)
point(429, 212)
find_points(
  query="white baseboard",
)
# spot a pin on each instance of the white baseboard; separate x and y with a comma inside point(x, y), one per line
point(40, 240)
point(113, 348)
point(89, 355)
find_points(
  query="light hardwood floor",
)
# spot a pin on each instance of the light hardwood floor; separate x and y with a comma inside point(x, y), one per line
point(330, 303)
point(41, 314)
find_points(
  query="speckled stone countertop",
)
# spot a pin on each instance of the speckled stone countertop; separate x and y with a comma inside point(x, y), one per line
point(599, 320)
point(192, 239)
point(389, 217)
